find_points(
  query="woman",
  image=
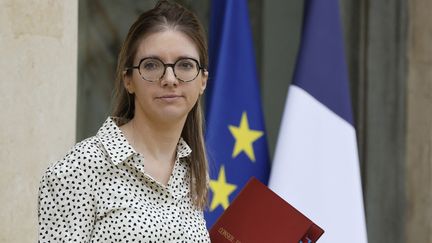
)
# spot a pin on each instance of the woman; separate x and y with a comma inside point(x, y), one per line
point(143, 177)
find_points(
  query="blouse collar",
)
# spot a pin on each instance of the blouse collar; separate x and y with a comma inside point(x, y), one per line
point(119, 149)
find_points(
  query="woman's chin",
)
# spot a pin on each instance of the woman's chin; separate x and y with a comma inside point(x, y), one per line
point(173, 115)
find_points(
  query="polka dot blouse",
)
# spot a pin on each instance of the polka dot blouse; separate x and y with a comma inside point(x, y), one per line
point(100, 192)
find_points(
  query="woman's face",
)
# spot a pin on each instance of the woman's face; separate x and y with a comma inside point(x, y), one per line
point(169, 99)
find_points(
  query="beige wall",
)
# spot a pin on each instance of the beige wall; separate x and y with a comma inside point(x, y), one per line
point(38, 66)
point(419, 123)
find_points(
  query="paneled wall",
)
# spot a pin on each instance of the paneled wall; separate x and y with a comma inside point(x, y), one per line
point(376, 33)
point(418, 167)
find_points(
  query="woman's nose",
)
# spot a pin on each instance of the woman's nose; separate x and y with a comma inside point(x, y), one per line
point(169, 77)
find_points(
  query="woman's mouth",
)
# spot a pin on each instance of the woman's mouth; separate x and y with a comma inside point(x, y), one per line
point(169, 98)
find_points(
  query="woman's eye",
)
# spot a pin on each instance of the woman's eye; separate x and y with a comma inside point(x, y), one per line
point(151, 65)
point(185, 65)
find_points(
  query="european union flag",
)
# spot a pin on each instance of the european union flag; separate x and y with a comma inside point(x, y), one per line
point(236, 140)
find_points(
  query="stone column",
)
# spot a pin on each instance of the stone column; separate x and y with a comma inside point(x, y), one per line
point(419, 124)
point(38, 66)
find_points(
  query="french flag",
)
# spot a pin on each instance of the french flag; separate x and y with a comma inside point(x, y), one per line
point(316, 166)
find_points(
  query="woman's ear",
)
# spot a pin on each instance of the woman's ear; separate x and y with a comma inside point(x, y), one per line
point(204, 82)
point(127, 82)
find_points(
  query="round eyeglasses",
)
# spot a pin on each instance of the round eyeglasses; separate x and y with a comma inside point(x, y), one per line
point(152, 69)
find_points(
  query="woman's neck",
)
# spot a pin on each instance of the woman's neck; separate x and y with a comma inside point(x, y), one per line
point(153, 139)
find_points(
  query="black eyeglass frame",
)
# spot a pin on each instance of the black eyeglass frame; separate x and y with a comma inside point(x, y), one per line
point(166, 65)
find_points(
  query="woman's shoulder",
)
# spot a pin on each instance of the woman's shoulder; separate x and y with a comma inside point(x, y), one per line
point(95, 154)
point(82, 159)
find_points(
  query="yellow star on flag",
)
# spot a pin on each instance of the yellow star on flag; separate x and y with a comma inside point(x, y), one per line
point(221, 190)
point(244, 137)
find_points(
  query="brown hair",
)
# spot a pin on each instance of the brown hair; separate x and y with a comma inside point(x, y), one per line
point(168, 15)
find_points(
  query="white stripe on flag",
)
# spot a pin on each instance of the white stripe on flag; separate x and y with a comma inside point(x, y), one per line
point(316, 168)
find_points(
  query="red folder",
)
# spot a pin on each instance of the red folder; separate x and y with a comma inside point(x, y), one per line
point(258, 215)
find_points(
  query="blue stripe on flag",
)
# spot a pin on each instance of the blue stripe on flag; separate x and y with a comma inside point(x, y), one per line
point(324, 78)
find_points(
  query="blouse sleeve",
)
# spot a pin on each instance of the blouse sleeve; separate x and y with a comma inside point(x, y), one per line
point(66, 206)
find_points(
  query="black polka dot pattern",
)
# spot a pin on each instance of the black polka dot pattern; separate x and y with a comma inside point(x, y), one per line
point(100, 192)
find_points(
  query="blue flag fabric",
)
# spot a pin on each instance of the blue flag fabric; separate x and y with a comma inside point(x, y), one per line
point(235, 138)
point(321, 69)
